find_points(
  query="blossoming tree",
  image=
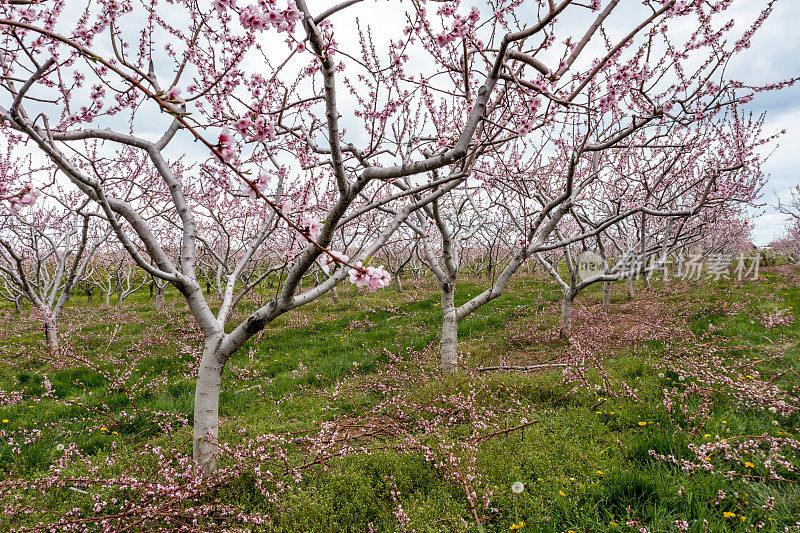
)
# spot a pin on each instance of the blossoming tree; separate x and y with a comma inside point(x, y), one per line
point(788, 244)
point(44, 253)
point(683, 185)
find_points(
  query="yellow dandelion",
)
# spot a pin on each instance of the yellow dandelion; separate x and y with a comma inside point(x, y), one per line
point(728, 514)
point(5, 421)
point(748, 464)
point(103, 428)
point(642, 423)
point(561, 493)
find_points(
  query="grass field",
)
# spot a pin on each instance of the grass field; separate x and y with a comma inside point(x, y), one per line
point(678, 410)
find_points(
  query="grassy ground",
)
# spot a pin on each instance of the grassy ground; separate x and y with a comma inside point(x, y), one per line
point(124, 381)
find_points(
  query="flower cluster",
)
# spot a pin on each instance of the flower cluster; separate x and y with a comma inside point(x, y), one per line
point(259, 129)
point(261, 183)
point(267, 15)
point(227, 146)
point(778, 317)
point(372, 277)
point(22, 200)
point(173, 95)
point(331, 257)
point(730, 456)
point(310, 229)
point(462, 26)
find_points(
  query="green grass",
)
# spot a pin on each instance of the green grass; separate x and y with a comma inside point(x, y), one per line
point(586, 463)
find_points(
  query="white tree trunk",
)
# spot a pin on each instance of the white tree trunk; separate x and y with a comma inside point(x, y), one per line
point(158, 298)
point(449, 346)
point(566, 314)
point(206, 406)
point(606, 296)
point(629, 287)
point(51, 336)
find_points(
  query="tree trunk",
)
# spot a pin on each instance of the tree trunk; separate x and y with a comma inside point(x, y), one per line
point(159, 299)
point(398, 282)
point(108, 299)
point(18, 306)
point(606, 296)
point(629, 287)
point(449, 346)
point(89, 296)
point(51, 336)
point(206, 406)
point(566, 314)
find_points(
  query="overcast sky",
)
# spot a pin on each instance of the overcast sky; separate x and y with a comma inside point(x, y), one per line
point(775, 55)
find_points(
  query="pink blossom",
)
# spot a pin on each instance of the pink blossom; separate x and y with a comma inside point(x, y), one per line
point(242, 125)
point(227, 149)
point(252, 19)
point(264, 130)
point(28, 197)
point(372, 277)
point(173, 94)
point(310, 228)
point(260, 18)
point(260, 183)
point(223, 5)
point(332, 256)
